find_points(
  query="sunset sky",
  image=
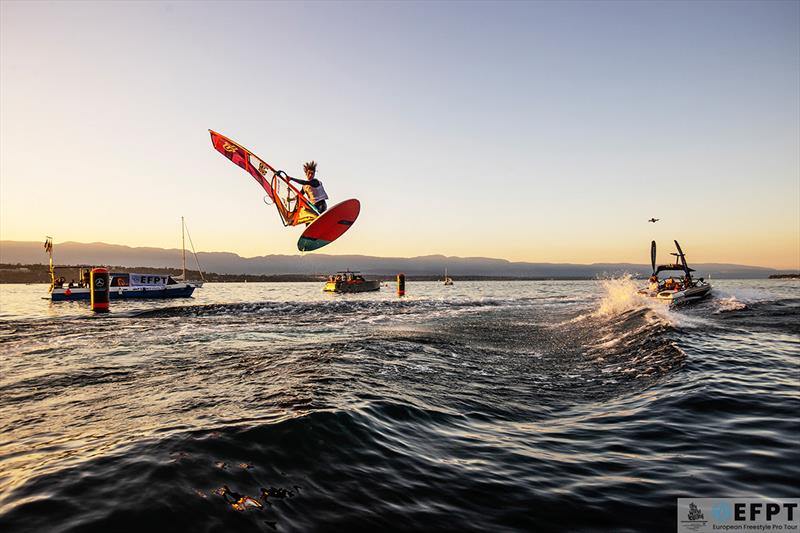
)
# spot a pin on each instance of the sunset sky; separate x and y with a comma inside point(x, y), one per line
point(526, 131)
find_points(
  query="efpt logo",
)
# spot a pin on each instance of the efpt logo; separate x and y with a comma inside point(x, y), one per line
point(744, 511)
point(739, 514)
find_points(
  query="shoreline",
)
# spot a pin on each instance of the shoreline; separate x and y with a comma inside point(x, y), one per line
point(39, 273)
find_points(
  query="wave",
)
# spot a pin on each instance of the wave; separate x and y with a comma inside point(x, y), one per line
point(295, 308)
point(725, 305)
point(402, 414)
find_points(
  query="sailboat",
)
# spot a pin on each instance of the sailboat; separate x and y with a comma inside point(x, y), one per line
point(447, 281)
point(195, 283)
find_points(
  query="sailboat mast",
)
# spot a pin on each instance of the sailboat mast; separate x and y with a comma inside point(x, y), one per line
point(183, 247)
point(48, 246)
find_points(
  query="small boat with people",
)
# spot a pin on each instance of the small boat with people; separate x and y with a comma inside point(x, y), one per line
point(350, 281)
point(674, 289)
point(121, 285)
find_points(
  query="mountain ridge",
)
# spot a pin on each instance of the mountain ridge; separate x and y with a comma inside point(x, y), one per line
point(99, 253)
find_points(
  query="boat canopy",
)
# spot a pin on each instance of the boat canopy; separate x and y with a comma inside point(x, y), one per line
point(662, 268)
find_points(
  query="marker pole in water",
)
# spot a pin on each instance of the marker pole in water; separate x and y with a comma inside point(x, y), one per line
point(401, 284)
point(98, 283)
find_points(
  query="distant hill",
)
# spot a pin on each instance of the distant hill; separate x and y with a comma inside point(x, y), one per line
point(73, 253)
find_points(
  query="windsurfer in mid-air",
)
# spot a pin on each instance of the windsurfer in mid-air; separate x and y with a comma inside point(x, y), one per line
point(312, 187)
point(296, 205)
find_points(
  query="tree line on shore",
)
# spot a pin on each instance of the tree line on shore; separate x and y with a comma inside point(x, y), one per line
point(38, 273)
point(33, 273)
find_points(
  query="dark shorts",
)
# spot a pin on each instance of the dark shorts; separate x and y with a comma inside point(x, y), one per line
point(321, 206)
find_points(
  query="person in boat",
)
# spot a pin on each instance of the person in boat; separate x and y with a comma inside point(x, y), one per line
point(653, 283)
point(313, 188)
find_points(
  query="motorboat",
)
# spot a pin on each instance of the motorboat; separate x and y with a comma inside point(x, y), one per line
point(350, 281)
point(123, 285)
point(674, 288)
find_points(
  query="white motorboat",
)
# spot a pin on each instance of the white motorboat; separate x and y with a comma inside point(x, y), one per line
point(674, 288)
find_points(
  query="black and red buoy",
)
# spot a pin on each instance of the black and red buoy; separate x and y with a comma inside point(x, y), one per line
point(99, 281)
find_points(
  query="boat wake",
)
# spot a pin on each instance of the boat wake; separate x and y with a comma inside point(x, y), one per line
point(621, 295)
point(731, 303)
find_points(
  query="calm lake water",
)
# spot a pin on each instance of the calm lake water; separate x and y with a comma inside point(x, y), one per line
point(485, 406)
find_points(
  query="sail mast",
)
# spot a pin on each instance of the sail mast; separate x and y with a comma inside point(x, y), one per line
point(196, 260)
point(48, 246)
point(183, 247)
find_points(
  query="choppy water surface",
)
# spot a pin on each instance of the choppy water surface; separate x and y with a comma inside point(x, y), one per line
point(483, 406)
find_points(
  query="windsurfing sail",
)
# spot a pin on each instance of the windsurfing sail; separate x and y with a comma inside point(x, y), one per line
point(292, 206)
point(682, 257)
point(653, 255)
